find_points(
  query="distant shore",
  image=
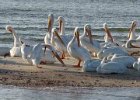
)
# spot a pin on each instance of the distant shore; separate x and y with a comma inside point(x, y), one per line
point(17, 72)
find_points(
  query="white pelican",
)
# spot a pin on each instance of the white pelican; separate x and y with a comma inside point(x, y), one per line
point(76, 51)
point(105, 52)
point(133, 41)
point(126, 60)
point(109, 40)
point(87, 41)
point(91, 65)
point(15, 50)
point(58, 42)
point(108, 37)
point(132, 44)
point(46, 55)
point(47, 38)
point(65, 37)
point(136, 65)
point(131, 33)
point(111, 67)
point(35, 54)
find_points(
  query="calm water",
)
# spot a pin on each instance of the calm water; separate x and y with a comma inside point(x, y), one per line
point(29, 17)
point(69, 93)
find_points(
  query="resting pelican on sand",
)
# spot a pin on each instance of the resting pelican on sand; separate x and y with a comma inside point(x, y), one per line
point(15, 51)
point(76, 50)
point(91, 65)
point(132, 44)
point(35, 54)
point(58, 43)
point(47, 38)
point(87, 40)
point(133, 41)
point(126, 60)
point(111, 67)
point(105, 52)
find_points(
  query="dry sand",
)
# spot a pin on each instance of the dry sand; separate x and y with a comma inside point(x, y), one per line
point(17, 72)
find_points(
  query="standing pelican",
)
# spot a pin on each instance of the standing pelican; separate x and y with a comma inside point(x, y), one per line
point(88, 42)
point(47, 38)
point(58, 42)
point(76, 50)
point(65, 37)
point(15, 51)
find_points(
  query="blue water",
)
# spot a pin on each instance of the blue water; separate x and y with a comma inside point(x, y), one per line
point(29, 17)
point(69, 93)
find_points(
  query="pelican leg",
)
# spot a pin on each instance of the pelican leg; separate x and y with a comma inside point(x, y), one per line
point(43, 62)
point(63, 55)
point(7, 54)
point(78, 65)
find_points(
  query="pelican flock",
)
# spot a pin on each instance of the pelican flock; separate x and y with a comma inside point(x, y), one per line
point(110, 56)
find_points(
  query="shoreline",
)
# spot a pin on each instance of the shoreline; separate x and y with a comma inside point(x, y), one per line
point(17, 72)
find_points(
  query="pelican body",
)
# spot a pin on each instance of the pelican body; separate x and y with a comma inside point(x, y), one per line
point(15, 51)
point(47, 38)
point(58, 42)
point(111, 51)
point(87, 41)
point(91, 65)
point(126, 60)
point(111, 67)
point(36, 54)
point(76, 51)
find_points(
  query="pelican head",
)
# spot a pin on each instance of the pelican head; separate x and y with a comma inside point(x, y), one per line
point(108, 34)
point(50, 22)
point(87, 28)
point(55, 33)
point(60, 21)
point(9, 28)
point(132, 29)
point(76, 34)
point(133, 25)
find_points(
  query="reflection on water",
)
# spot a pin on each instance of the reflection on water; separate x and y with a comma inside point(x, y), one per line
point(69, 93)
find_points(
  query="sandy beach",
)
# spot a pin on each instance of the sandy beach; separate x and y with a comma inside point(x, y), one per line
point(15, 71)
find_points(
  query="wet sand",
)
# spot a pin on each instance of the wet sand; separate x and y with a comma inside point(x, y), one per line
point(17, 72)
